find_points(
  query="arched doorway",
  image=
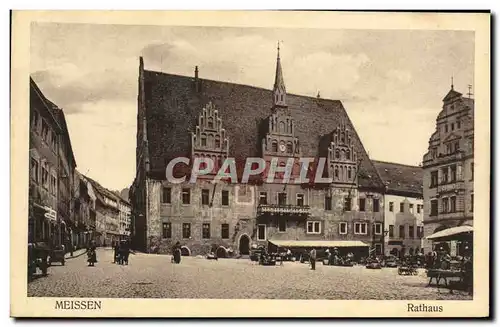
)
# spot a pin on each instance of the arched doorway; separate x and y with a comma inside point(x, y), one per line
point(244, 244)
point(185, 251)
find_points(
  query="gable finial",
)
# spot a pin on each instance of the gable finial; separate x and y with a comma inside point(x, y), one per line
point(452, 81)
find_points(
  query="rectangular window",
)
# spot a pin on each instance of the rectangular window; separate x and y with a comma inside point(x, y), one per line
point(36, 119)
point(186, 196)
point(446, 128)
point(34, 170)
point(225, 198)
point(402, 207)
point(167, 230)
point(186, 230)
point(378, 249)
point(434, 208)
point(360, 228)
point(328, 203)
point(362, 204)
point(376, 205)
point(472, 171)
point(391, 206)
point(261, 232)
point(347, 204)
point(343, 228)
point(434, 179)
point(263, 198)
point(45, 131)
point(282, 225)
point(167, 195)
point(453, 174)
point(282, 199)
point(453, 204)
point(444, 205)
point(418, 208)
point(445, 175)
point(53, 184)
point(402, 231)
point(452, 126)
point(45, 177)
point(378, 229)
point(411, 208)
point(411, 232)
point(391, 230)
point(471, 202)
point(300, 200)
point(53, 141)
point(313, 227)
point(205, 197)
point(225, 231)
point(205, 231)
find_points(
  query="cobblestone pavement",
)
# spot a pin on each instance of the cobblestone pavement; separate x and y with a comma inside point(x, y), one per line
point(153, 276)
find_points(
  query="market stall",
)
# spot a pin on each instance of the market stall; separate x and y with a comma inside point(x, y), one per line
point(455, 271)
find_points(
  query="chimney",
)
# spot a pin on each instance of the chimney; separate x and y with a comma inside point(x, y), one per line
point(197, 82)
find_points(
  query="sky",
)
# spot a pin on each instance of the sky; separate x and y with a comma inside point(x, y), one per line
point(391, 82)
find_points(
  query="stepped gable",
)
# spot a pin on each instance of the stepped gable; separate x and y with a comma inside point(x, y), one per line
point(401, 179)
point(174, 102)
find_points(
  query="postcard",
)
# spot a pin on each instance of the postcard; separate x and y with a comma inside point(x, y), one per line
point(250, 164)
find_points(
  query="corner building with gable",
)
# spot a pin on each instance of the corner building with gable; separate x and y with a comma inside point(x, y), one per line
point(181, 116)
point(448, 169)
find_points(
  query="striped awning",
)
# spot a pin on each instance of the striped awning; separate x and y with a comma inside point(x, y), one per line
point(318, 243)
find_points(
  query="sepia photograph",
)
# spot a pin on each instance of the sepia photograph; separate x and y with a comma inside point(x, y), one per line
point(213, 161)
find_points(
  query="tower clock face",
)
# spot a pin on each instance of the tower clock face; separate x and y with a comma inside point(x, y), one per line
point(282, 147)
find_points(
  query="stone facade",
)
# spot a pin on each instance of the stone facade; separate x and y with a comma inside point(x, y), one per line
point(236, 216)
point(449, 168)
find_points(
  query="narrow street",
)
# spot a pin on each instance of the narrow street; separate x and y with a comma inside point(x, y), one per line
point(153, 276)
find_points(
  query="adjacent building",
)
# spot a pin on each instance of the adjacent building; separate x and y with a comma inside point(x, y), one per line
point(52, 167)
point(193, 117)
point(449, 169)
point(124, 218)
point(45, 132)
point(112, 215)
point(403, 208)
point(84, 212)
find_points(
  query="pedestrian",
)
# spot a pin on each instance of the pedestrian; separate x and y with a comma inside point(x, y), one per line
point(91, 254)
point(116, 251)
point(312, 259)
point(176, 251)
point(126, 251)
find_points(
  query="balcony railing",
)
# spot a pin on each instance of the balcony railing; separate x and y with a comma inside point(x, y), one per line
point(283, 209)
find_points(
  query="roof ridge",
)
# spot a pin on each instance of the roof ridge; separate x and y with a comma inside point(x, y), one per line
point(245, 85)
point(395, 163)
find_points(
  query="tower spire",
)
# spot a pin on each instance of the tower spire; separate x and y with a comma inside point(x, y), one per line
point(279, 90)
point(452, 82)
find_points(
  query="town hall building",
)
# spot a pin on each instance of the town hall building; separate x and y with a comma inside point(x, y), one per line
point(181, 116)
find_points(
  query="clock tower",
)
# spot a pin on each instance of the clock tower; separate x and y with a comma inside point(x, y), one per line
point(280, 140)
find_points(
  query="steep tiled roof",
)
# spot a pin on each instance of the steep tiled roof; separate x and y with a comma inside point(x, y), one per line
point(401, 179)
point(58, 115)
point(452, 94)
point(101, 191)
point(173, 104)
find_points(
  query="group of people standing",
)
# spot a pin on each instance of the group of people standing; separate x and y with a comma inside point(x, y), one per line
point(121, 252)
